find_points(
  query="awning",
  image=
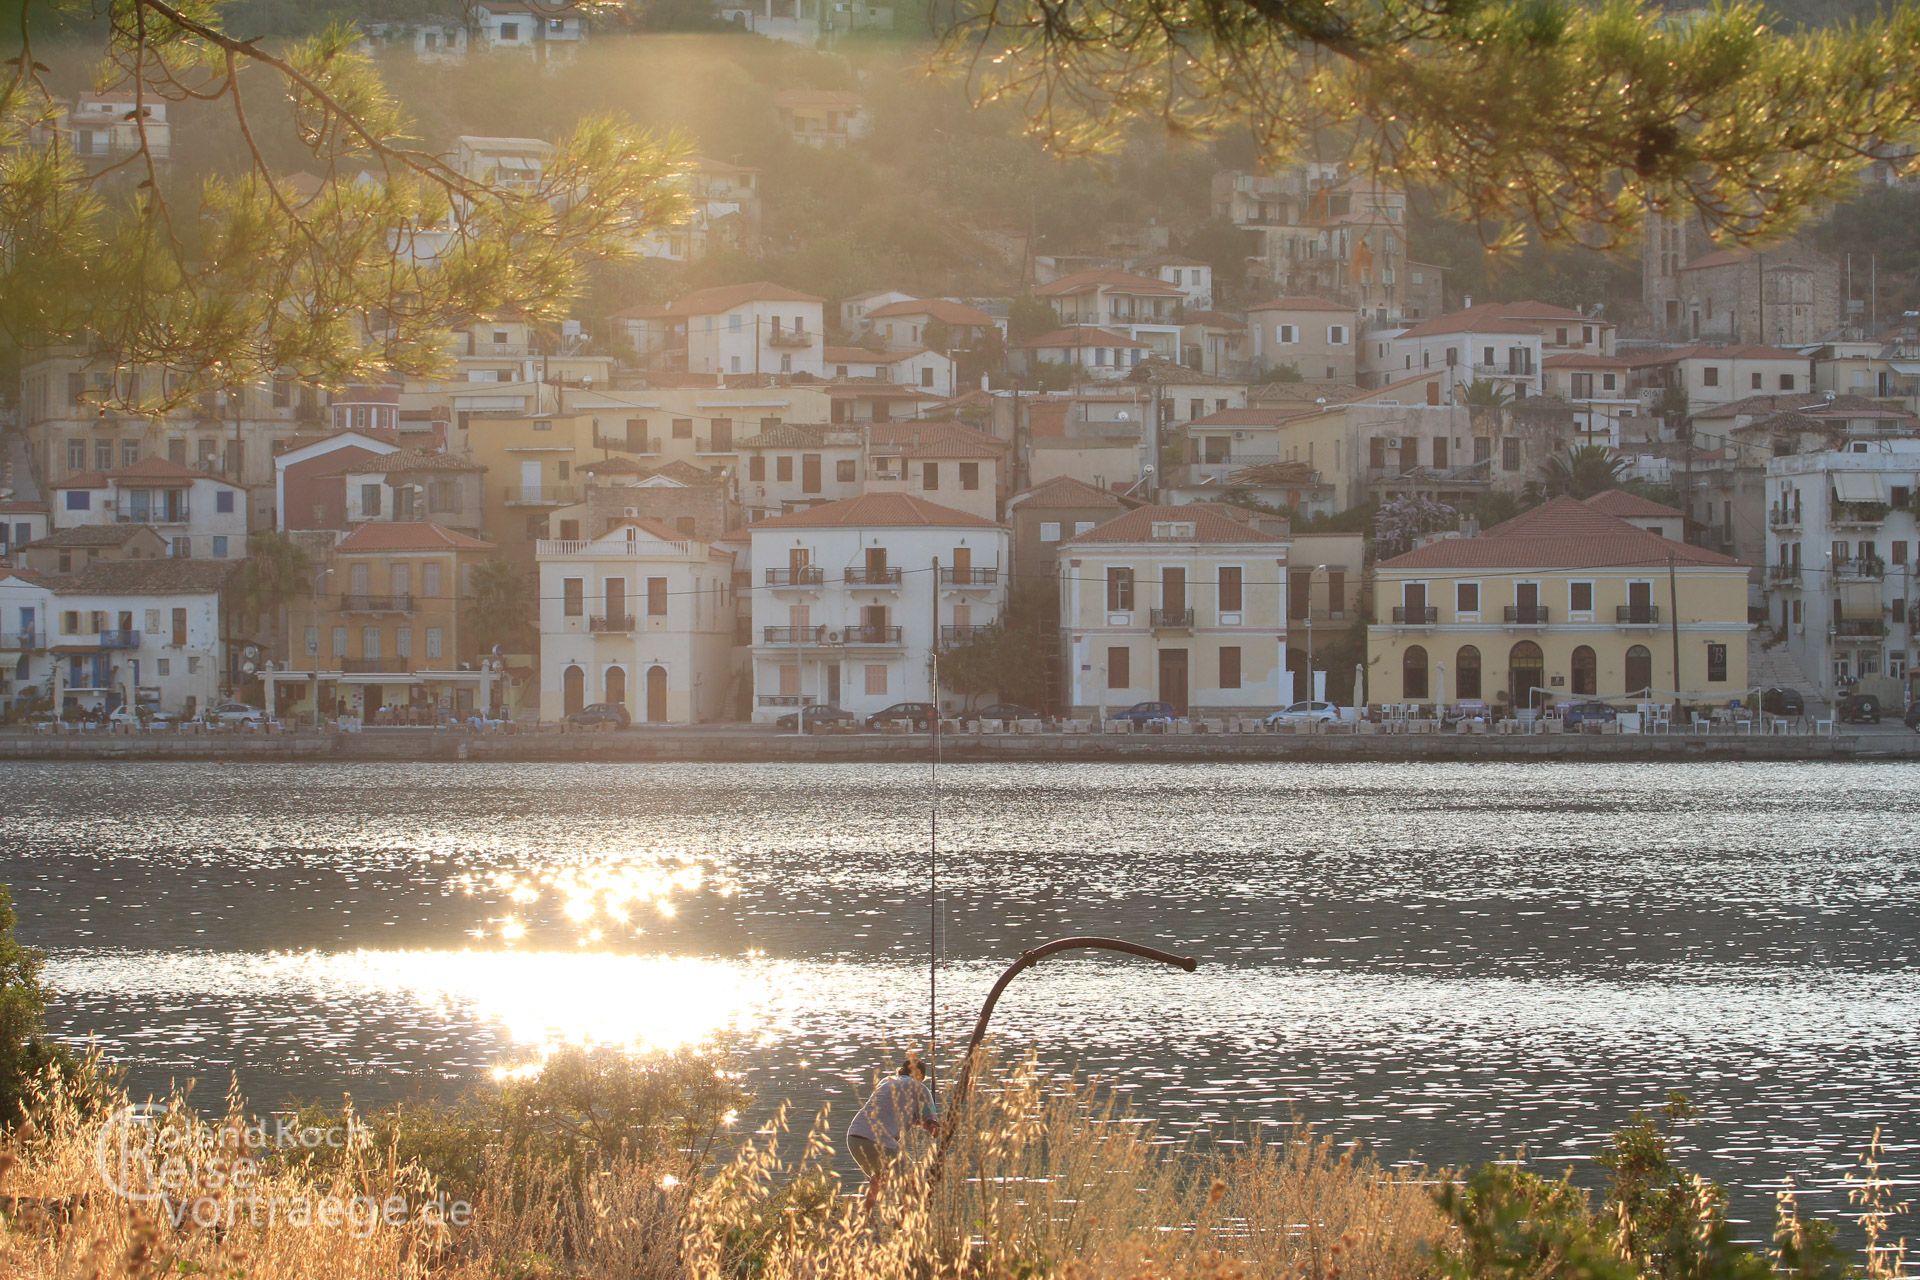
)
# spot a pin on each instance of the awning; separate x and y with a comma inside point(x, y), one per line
point(1859, 486)
point(375, 679)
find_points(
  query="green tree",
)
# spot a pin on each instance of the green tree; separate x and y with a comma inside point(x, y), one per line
point(1010, 660)
point(501, 608)
point(26, 1055)
point(1572, 120)
point(277, 570)
point(1583, 471)
point(1029, 317)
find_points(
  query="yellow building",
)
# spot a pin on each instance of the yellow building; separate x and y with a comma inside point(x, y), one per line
point(1564, 601)
point(382, 628)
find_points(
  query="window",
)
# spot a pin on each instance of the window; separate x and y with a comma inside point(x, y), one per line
point(182, 548)
point(1230, 592)
point(783, 467)
point(1230, 666)
point(1716, 664)
point(219, 546)
point(430, 579)
point(193, 665)
point(102, 455)
point(1710, 376)
point(573, 596)
point(76, 455)
point(164, 666)
point(1466, 598)
point(926, 377)
point(1413, 673)
point(369, 499)
point(1049, 531)
point(844, 471)
point(757, 467)
point(683, 428)
point(79, 500)
point(339, 642)
point(433, 643)
point(970, 476)
point(310, 642)
point(403, 642)
point(929, 475)
point(1337, 335)
point(1119, 667)
point(1639, 670)
point(1586, 670)
point(223, 502)
point(1285, 334)
point(1466, 665)
point(876, 678)
point(1899, 553)
point(656, 597)
point(1510, 453)
point(1580, 597)
point(1786, 382)
point(129, 452)
point(1756, 383)
point(1119, 590)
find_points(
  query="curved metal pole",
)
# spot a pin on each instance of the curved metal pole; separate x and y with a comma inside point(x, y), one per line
point(958, 1097)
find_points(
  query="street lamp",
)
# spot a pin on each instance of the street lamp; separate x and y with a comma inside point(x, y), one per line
point(1319, 568)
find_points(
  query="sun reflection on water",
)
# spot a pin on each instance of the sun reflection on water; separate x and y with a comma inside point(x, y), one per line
point(616, 893)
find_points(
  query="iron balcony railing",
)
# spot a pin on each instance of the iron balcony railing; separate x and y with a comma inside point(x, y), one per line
point(153, 515)
point(790, 338)
point(1528, 615)
point(121, 639)
point(1859, 513)
point(611, 623)
point(969, 577)
point(538, 495)
point(1636, 614)
point(785, 699)
point(1860, 569)
point(1173, 617)
point(795, 635)
point(362, 603)
point(965, 633)
point(806, 576)
point(873, 635)
point(1416, 615)
point(1783, 573)
point(22, 638)
point(395, 666)
point(885, 576)
point(1783, 517)
point(627, 444)
point(1860, 627)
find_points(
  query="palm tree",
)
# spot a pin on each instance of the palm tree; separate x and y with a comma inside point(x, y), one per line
point(500, 607)
point(1485, 393)
point(1585, 470)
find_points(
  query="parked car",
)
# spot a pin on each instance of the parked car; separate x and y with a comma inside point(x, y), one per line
point(920, 713)
point(1574, 713)
point(141, 718)
point(233, 713)
point(1303, 712)
point(1146, 713)
point(1004, 711)
point(1857, 708)
point(1783, 702)
point(818, 719)
point(1913, 717)
point(601, 715)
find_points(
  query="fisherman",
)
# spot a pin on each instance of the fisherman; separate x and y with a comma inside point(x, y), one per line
point(901, 1101)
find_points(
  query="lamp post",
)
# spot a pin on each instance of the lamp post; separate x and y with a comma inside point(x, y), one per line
point(318, 578)
point(1311, 692)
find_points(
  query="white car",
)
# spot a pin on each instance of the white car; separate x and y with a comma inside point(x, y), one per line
point(150, 721)
point(234, 713)
point(1304, 712)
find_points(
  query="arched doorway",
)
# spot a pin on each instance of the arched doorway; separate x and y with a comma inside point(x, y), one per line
point(1639, 669)
point(573, 690)
point(1466, 665)
point(1413, 673)
point(656, 694)
point(1586, 670)
point(1526, 670)
point(617, 686)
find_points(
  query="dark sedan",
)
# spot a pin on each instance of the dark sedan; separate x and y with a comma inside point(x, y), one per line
point(1007, 712)
point(920, 714)
point(818, 719)
point(601, 715)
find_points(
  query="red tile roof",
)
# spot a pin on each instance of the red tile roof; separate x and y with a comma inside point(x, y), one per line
point(875, 511)
point(409, 535)
point(933, 439)
point(1726, 351)
point(1581, 360)
point(1619, 502)
point(1065, 491)
point(413, 460)
point(1210, 525)
point(1081, 336)
point(1565, 533)
point(1122, 281)
point(1301, 303)
point(1488, 317)
point(936, 308)
point(706, 302)
point(1718, 258)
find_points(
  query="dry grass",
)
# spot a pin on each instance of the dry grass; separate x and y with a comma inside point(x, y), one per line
point(1045, 1177)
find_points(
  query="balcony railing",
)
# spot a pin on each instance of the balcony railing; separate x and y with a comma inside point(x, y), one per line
point(627, 444)
point(1636, 614)
point(811, 575)
point(886, 576)
point(1859, 514)
point(1173, 617)
point(152, 515)
point(1527, 615)
point(1860, 570)
point(611, 623)
point(538, 495)
point(395, 666)
point(966, 633)
point(969, 577)
point(360, 603)
point(1783, 573)
point(790, 338)
point(785, 699)
point(1416, 615)
point(120, 639)
point(23, 638)
point(1860, 626)
point(795, 635)
point(1779, 517)
point(873, 635)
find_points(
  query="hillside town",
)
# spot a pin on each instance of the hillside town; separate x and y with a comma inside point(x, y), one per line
point(1106, 491)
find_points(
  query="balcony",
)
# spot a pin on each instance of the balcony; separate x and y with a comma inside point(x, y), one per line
point(1173, 619)
point(627, 444)
point(1784, 574)
point(872, 635)
point(1858, 515)
point(1416, 615)
point(1636, 615)
point(153, 515)
point(784, 699)
point(789, 338)
point(966, 633)
point(1859, 570)
point(969, 577)
point(22, 639)
point(402, 603)
point(538, 495)
point(611, 623)
point(395, 666)
point(794, 635)
point(119, 639)
point(1779, 517)
point(1527, 615)
point(1859, 628)
point(885, 576)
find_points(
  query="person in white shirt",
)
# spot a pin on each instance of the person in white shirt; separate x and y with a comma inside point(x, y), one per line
point(901, 1102)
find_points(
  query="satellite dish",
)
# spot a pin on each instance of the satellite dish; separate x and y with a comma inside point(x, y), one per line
point(252, 651)
point(247, 667)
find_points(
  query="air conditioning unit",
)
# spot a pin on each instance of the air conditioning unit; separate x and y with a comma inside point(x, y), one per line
point(630, 511)
point(1393, 442)
point(835, 636)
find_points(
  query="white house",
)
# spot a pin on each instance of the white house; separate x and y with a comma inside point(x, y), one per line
point(1192, 277)
point(642, 616)
point(26, 599)
point(201, 516)
point(1090, 352)
point(1479, 344)
point(911, 367)
point(911, 323)
point(822, 117)
point(790, 466)
point(147, 630)
point(755, 328)
point(855, 310)
point(1143, 308)
point(22, 522)
point(1312, 336)
point(846, 600)
point(552, 30)
point(1714, 375)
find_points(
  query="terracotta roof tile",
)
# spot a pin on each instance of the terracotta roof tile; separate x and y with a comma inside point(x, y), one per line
point(413, 460)
point(408, 535)
point(1300, 302)
point(706, 302)
point(941, 309)
point(933, 439)
point(1065, 491)
point(148, 577)
point(875, 511)
point(1103, 277)
point(1081, 336)
point(91, 535)
point(1210, 524)
point(1619, 502)
point(1565, 533)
